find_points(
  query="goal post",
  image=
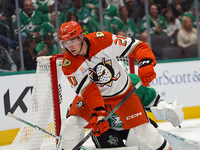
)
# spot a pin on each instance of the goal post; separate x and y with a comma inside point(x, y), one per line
point(51, 96)
point(55, 91)
point(131, 64)
point(128, 63)
point(44, 109)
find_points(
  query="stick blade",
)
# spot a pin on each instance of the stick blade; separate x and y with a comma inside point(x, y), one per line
point(179, 143)
point(9, 114)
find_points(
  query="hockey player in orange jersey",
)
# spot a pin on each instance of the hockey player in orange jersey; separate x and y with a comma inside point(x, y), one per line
point(151, 101)
point(91, 67)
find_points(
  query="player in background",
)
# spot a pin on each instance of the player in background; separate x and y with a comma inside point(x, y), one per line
point(91, 67)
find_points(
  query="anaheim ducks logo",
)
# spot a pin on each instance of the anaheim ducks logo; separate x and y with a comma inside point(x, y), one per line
point(103, 73)
point(100, 34)
point(80, 104)
point(66, 62)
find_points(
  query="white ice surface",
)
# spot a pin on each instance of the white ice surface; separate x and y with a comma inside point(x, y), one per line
point(190, 129)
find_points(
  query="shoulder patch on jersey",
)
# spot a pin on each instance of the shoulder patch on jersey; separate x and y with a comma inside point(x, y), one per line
point(100, 34)
point(66, 62)
point(80, 104)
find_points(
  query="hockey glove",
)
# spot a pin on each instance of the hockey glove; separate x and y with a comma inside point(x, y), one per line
point(98, 125)
point(146, 71)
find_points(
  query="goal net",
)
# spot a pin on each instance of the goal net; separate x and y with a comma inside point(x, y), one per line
point(127, 63)
point(51, 96)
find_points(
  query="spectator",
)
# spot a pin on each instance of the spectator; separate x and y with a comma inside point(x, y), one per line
point(116, 3)
point(191, 14)
point(52, 16)
point(50, 26)
point(109, 11)
point(187, 4)
point(64, 6)
point(187, 35)
point(45, 6)
point(89, 3)
point(8, 43)
point(158, 25)
point(10, 12)
point(132, 7)
point(30, 21)
point(141, 10)
point(4, 20)
point(157, 51)
point(178, 8)
point(72, 16)
point(173, 25)
point(82, 12)
point(125, 23)
point(6, 62)
point(121, 32)
point(47, 46)
point(10, 7)
point(162, 4)
point(30, 53)
point(94, 22)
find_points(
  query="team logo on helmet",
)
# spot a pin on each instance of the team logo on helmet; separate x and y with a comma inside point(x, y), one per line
point(64, 30)
point(100, 34)
point(103, 73)
point(70, 30)
point(80, 104)
point(66, 62)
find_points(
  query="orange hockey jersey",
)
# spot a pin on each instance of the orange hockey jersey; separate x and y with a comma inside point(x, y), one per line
point(99, 78)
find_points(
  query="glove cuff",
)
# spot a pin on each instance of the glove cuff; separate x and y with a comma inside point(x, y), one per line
point(94, 114)
point(99, 113)
point(145, 62)
point(99, 108)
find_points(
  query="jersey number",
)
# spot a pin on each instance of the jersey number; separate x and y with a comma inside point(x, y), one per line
point(119, 41)
point(72, 80)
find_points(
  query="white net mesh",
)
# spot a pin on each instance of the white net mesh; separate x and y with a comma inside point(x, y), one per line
point(124, 62)
point(40, 112)
point(124, 59)
point(41, 109)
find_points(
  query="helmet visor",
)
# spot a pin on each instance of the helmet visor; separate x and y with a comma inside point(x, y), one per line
point(71, 42)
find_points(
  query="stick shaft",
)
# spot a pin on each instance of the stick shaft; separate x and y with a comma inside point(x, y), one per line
point(110, 114)
point(30, 124)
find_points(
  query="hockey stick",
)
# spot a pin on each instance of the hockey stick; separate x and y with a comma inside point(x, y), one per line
point(178, 142)
point(35, 126)
point(110, 114)
point(175, 141)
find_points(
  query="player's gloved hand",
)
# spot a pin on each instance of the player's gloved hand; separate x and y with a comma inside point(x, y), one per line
point(146, 71)
point(98, 125)
point(169, 112)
